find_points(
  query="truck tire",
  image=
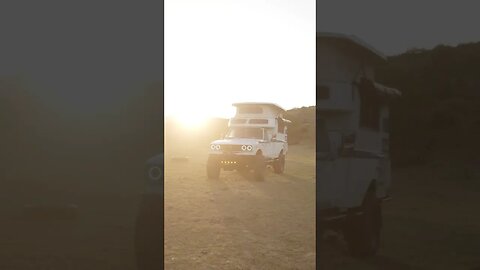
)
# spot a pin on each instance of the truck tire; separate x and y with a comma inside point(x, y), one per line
point(362, 232)
point(259, 167)
point(213, 168)
point(279, 164)
point(148, 238)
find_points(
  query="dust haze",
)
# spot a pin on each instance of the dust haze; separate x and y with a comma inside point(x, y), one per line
point(236, 222)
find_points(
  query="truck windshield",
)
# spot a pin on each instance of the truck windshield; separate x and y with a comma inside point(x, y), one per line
point(245, 132)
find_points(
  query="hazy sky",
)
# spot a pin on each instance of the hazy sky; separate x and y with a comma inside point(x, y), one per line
point(82, 55)
point(86, 55)
point(395, 26)
point(218, 52)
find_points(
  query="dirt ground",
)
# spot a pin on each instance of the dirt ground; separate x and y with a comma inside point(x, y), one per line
point(431, 223)
point(236, 222)
point(233, 223)
point(100, 237)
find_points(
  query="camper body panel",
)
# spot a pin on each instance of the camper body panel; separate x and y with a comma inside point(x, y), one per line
point(344, 178)
point(353, 163)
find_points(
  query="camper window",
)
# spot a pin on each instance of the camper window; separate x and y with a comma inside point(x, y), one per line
point(245, 132)
point(238, 121)
point(258, 121)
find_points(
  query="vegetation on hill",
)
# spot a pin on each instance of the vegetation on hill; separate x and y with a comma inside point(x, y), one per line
point(302, 128)
point(438, 117)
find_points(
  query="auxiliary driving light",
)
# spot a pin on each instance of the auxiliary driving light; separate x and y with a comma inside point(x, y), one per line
point(228, 162)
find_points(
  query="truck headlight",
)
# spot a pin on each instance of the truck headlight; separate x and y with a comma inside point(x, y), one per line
point(215, 147)
point(155, 173)
point(247, 148)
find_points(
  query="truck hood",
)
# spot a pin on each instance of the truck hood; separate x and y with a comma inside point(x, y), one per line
point(237, 141)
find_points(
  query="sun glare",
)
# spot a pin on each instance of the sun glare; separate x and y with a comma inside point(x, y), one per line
point(237, 51)
point(191, 121)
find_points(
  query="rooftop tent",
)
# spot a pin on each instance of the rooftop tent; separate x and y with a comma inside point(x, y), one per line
point(258, 108)
point(352, 43)
point(364, 53)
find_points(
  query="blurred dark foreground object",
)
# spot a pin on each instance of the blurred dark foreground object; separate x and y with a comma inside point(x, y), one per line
point(148, 238)
point(50, 212)
point(149, 233)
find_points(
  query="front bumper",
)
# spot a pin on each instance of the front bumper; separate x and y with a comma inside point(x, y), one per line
point(232, 161)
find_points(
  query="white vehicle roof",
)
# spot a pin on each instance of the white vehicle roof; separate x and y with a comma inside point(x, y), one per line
point(355, 41)
point(265, 117)
point(274, 106)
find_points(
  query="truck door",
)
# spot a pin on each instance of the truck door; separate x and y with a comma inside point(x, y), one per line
point(269, 144)
point(280, 139)
point(332, 170)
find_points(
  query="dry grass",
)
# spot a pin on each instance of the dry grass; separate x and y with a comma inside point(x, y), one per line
point(233, 223)
point(100, 237)
point(430, 224)
point(238, 223)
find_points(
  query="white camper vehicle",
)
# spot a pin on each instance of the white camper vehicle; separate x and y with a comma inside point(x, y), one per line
point(256, 138)
point(353, 163)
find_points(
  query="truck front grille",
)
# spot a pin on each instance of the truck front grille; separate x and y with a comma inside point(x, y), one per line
point(231, 148)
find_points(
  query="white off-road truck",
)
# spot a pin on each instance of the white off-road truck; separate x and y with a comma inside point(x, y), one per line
point(352, 160)
point(256, 138)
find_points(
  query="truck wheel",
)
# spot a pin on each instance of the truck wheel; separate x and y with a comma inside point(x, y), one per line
point(279, 164)
point(148, 239)
point(363, 232)
point(213, 168)
point(259, 167)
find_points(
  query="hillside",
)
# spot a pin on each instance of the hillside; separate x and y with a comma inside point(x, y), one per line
point(437, 120)
point(301, 130)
